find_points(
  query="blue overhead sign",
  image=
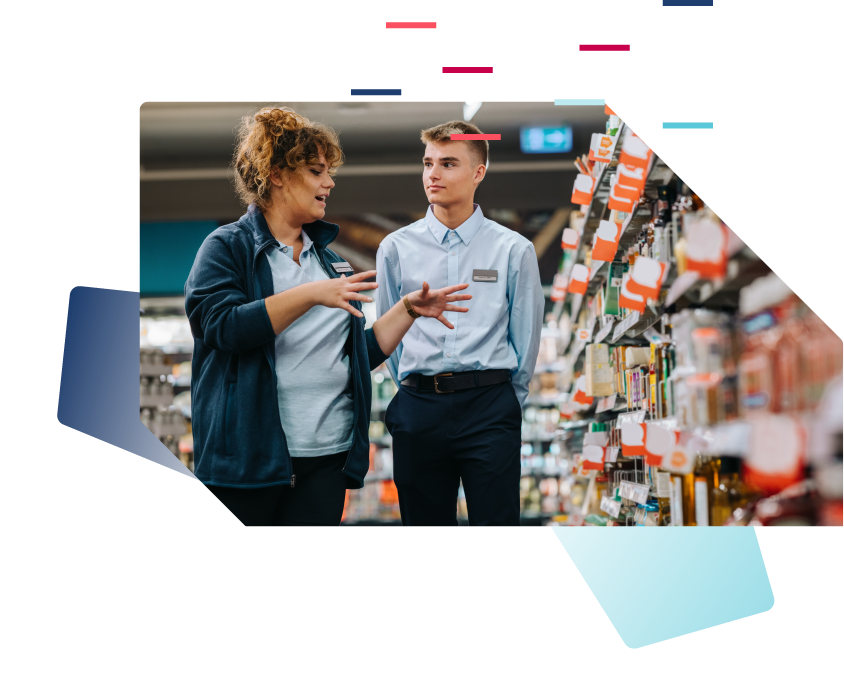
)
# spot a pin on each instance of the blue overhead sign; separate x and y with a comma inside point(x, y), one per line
point(546, 139)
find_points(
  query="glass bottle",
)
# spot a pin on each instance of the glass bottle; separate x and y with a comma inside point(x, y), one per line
point(683, 500)
point(665, 196)
point(786, 361)
point(731, 492)
point(599, 492)
point(706, 481)
point(697, 202)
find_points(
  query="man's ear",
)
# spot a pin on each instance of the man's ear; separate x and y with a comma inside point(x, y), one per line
point(480, 173)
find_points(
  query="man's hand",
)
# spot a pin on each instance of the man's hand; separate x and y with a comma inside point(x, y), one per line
point(432, 303)
point(336, 293)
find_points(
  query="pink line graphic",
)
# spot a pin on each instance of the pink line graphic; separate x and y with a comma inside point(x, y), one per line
point(646, 73)
point(714, 54)
point(603, 27)
point(475, 137)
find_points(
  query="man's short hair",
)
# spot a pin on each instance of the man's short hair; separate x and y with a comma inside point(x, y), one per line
point(438, 134)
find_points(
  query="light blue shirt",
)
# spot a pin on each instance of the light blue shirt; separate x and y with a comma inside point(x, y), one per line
point(313, 379)
point(503, 325)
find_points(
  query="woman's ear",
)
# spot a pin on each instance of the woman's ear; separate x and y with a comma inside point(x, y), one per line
point(276, 178)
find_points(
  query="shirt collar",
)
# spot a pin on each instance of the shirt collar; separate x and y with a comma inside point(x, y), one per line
point(306, 241)
point(466, 231)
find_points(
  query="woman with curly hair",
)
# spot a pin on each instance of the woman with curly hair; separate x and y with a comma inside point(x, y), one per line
point(281, 385)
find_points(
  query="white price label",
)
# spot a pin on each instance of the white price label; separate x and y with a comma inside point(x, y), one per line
point(603, 332)
point(625, 325)
point(637, 492)
point(610, 506)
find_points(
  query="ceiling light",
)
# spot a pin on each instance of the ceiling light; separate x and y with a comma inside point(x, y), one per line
point(470, 109)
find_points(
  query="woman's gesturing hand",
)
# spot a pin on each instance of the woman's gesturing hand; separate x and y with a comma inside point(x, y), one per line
point(432, 303)
point(336, 293)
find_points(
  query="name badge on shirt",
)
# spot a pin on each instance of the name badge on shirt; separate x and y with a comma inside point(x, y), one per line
point(341, 267)
point(485, 275)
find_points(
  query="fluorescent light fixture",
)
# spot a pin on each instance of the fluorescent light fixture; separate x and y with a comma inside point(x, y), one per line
point(470, 109)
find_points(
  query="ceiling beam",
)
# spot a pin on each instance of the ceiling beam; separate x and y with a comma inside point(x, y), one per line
point(221, 173)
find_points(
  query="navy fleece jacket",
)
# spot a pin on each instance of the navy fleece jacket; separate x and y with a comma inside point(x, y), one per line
point(237, 433)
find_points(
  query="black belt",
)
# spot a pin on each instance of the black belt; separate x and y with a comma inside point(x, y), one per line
point(449, 383)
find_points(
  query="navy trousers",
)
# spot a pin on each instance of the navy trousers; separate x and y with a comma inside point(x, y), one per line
point(441, 438)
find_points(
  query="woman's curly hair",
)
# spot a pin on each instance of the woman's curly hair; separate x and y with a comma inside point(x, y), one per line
point(278, 137)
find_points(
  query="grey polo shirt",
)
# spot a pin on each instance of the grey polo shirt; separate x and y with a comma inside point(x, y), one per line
point(313, 378)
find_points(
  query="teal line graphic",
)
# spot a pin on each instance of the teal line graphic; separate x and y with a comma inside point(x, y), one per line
point(753, 136)
point(581, 101)
point(662, 582)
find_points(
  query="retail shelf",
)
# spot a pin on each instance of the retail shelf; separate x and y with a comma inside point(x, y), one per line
point(156, 401)
point(604, 332)
point(156, 369)
point(159, 430)
point(554, 367)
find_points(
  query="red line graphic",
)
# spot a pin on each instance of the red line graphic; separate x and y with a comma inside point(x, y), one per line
point(411, 25)
point(605, 47)
point(470, 69)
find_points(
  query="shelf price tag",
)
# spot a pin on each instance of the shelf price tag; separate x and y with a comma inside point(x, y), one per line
point(637, 492)
point(582, 192)
point(646, 278)
point(579, 279)
point(601, 147)
point(659, 441)
point(625, 325)
point(633, 436)
point(610, 506)
point(571, 237)
point(606, 242)
point(605, 404)
point(593, 457)
point(707, 247)
point(603, 332)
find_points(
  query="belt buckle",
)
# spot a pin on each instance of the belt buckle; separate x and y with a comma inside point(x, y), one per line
point(436, 385)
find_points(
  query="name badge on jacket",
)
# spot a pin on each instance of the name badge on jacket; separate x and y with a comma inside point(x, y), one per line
point(341, 267)
point(485, 275)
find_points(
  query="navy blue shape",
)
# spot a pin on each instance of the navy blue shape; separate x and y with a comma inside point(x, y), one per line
point(375, 92)
point(97, 392)
point(752, 8)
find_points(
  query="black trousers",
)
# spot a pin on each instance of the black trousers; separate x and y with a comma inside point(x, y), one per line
point(441, 438)
point(317, 499)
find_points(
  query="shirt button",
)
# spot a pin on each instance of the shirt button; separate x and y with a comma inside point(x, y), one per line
point(284, 249)
point(453, 254)
point(448, 355)
point(451, 234)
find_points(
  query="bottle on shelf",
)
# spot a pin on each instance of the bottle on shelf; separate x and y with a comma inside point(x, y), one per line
point(663, 496)
point(731, 493)
point(682, 503)
point(706, 481)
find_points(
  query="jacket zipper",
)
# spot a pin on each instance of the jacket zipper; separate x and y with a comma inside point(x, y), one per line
point(336, 275)
point(267, 353)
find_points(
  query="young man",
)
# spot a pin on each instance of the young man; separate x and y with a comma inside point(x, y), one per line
point(458, 413)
